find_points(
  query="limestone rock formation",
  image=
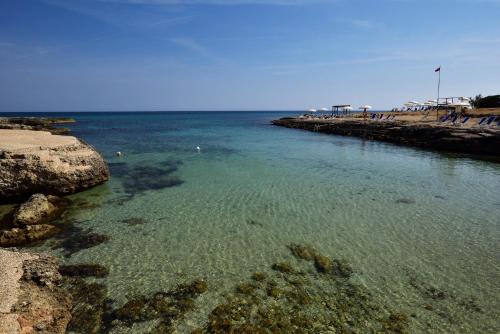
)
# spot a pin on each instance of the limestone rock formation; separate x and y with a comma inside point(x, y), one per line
point(31, 300)
point(40, 162)
point(34, 211)
point(22, 236)
point(478, 141)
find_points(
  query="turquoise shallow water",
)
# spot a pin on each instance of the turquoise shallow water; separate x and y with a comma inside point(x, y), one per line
point(406, 219)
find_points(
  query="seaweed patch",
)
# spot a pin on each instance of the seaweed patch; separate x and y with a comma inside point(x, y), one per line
point(84, 270)
point(74, 239)
point(134, 221)
point(92, 312)
point(305, 299)
point(295, 301)
point(141, 178)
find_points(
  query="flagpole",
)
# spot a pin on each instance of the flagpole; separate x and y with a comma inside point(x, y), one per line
point(439, 87)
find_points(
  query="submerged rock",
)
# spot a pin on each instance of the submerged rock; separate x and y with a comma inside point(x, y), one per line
point(190, 290)
point(396, 323)
point(89, 306)
point(21, 236)
point(405, 201)
point(37, 161)
point(135, 221)
point(302, 252)
point(74, 238)
point(342, 268)
point(134, 310)
point(36, 210)
point(84, 270)
point(283, 267)
point(167, 307)
point(140, 178)
point(323, 263)
point(28, 223)
point(259, 276)
point(303, 302)
point(246, 288)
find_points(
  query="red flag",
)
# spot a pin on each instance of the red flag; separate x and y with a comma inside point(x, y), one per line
point(438, 69)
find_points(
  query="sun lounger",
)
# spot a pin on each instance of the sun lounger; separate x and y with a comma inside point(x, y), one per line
point(444, 118)
point(490, 120)
point(482, 120)
point(465, 120)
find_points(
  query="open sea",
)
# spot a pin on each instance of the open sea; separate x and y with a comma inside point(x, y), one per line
point(420, 229)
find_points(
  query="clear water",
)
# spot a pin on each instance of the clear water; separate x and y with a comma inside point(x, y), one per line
point(396, 214)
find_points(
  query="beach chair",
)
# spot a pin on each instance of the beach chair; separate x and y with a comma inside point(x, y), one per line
point(444, 118)
point(490, 120)
point(372, 116)
point(465, 120)
point(486, 121)
point(380, 117)
point(454, 118)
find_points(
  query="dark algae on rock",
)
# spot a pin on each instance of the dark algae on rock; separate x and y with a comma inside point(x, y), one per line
point(92, 311)
point(90, 305)
point(321, 300)
point(84, 270)
point(139, 178)
point(306, 298)
point(74, 238)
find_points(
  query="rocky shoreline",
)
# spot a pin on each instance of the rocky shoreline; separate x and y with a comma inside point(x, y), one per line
point(40, 162)
point(36, 124)
point(37, 162)
point(477, 141)
point(31, 299)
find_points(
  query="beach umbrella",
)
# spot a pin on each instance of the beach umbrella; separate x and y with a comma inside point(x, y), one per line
point(347, 110)
point(365, 107)
point(312, 110)
point(459, 104)
point(414, 103)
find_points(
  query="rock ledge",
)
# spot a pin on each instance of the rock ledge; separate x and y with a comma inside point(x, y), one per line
point(31, 300)
point(39, 162)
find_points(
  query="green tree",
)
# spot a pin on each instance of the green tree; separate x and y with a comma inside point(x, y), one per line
point(474, 101)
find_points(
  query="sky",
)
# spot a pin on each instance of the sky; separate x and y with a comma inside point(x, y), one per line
point(123, 55)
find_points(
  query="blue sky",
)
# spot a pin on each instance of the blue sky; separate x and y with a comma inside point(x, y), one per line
point(243, 54)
